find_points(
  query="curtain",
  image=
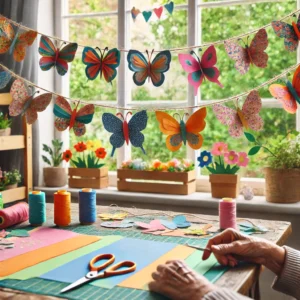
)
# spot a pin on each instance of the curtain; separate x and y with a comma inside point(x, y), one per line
point(24, 12)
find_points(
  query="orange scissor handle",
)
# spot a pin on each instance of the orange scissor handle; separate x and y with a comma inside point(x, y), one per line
point(118, 269)
point(110, 260)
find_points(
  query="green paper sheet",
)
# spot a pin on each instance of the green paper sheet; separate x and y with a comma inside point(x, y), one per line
point(19, 233)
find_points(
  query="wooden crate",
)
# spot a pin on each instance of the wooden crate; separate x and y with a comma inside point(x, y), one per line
point(12, 195)
point(88, 178)
point(179, 183)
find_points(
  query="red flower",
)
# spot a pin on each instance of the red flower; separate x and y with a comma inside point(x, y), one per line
point(100, 153)
point(67, 155)
point(80, 147)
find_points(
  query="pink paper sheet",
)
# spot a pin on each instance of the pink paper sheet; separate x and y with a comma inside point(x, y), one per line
point(39, 238)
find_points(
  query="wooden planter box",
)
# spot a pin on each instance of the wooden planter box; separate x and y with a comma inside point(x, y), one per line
point(88, 178)
point(224, 185)
point(179, 183)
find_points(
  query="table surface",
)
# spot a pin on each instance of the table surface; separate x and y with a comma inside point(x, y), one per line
point(239, 279)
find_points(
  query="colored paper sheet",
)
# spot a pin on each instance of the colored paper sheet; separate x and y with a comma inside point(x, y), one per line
point(20, 262)
point(39, 238)
point(141, 279)
point(142, 252)
point(46, 266)
point(215, 272)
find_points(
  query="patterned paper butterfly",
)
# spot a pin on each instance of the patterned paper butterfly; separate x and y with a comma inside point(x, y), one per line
point(290, 33)
point(24, 103)
point(124, 131)
point(181, 132)
point(105, 64)
point(4, 78)
point(200, 69)
point(288, 95)
point(247, 117)
point(146, 69)
point(14, 43)
point(253, 54)
point(54, 57)
point(66, 117)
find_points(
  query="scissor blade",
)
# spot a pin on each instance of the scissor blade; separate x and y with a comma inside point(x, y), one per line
point(75, 284)
point(197, 247)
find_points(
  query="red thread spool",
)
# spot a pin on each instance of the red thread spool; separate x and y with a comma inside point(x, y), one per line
point(227, 213)
point(13, 215)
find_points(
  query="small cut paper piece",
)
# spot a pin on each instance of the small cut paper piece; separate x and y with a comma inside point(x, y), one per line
point(198, 231)
point(158, 11)
point(250, 228)
point(147, 15)
point(115, 217)
point(154, 225)
point(19, 233)
point(168, 224)
point(170, 7)
point(181, 221)
point(134, 13)
point(117, 224)
point(3, 233)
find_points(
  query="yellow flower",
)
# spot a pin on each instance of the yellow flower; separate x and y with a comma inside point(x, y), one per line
point(93, 145)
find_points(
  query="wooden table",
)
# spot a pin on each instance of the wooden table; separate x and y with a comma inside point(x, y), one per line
point(241, 279)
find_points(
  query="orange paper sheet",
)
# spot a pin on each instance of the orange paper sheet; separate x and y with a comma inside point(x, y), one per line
point(141, 279)
point(18, 263)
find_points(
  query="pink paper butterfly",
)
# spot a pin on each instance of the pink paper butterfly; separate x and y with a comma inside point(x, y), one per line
point(154, 225)
point(247, 117)
point(200, 69)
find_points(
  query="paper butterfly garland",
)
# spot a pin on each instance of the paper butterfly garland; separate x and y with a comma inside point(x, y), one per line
point(290, 33)
point(5, 78)
point(237, 120)
point(117, 224)
point(24, 103)
point(146, 69)
point(115, 216)
point(288, 95)
point(66, 117)
point(200, 69)
point(154, 225)
point(105, 64)
point(254, 53)
point(177, 222)
point(54, 57)
point(15, 43)
point(123, 131)
point(181, 132)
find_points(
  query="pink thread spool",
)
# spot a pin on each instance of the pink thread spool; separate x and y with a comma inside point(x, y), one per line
point(227, 213)
point(14, 215)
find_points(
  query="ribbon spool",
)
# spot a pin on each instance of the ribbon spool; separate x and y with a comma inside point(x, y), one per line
point(87, 206)
point(227, 213)
point(62, 208)
point(13, 215)
point(37, 208)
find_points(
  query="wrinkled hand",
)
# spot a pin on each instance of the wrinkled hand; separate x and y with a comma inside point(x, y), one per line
point(231, 246)
point(179, 282)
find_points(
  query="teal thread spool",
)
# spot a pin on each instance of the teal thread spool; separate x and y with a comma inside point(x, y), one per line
point(87, 206)
point(37, 208)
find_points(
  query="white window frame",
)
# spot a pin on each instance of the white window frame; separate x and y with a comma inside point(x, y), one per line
point(124, 87)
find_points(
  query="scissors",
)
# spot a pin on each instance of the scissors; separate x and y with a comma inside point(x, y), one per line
point(197, 247)
point(94, 273)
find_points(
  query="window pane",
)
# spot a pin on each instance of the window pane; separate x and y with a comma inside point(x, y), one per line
point(88, 6)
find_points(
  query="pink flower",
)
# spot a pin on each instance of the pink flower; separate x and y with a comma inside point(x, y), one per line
point(231, 157)
point(187, 163)
point(219, 148)
point(174, 163)
point(243, 159)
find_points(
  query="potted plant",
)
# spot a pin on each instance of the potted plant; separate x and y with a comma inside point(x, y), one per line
point(55, 175)
point(11, 179)
point(282, 174)
point(5, 125)
point(87, 170)
point(223, 166)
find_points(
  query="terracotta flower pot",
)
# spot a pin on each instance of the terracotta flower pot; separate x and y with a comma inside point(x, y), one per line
point(11, 186)
point(224, 185)
point(282, 185)
point(5, 132)
point(55, 176)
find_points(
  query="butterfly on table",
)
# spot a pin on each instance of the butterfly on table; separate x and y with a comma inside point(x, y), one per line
point(199, 69)
point(181, 132)
point(24, 103)
point(55, 57)
point(15, 43)
point(238, 119)
point(253, 54)
point(66, 117)
point(5, 78)
point(289, 94)
point(144, 68)
point(123, 131)
point(105, 64)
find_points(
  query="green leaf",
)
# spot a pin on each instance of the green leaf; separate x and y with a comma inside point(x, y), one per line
point(250, 137)
point(211, 170)
point(98, 166)
point(80, 163)
point(90, 162)
point(234, 170)
point(254, 150)
point(46, 160)
point(47, 149)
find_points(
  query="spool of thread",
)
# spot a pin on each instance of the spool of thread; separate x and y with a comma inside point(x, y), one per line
point(62, 208)
point(13, 215)
point(87, 206)
point(227, 213)
point(37, 208)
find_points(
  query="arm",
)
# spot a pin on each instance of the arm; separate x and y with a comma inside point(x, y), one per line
point(224, 294)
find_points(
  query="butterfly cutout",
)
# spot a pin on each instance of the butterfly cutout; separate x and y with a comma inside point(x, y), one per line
point(117, 224)
point(5, 77)
point(105, 64)
point(15, 43)
point(177, 222)
point(253, 54)
point(289, 94)
point(181, 132)
point(116, 216)
point(123, 131)
point(66, 117)
point(238, 119)
point(290, 33)
point(24, 103)
point(200, 69)
point(146, 69)
point(55, 57)
point(154, 225)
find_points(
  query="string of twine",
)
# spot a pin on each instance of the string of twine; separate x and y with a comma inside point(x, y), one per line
point(137, 108)
point(219, 42)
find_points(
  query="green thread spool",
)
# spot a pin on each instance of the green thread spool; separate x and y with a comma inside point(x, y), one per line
point(1, 202)
point(37, 208)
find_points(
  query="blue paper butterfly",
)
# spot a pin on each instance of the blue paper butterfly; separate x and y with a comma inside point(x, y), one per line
point(4, 79)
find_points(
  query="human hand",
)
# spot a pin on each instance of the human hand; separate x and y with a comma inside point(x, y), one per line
point(179, 282)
